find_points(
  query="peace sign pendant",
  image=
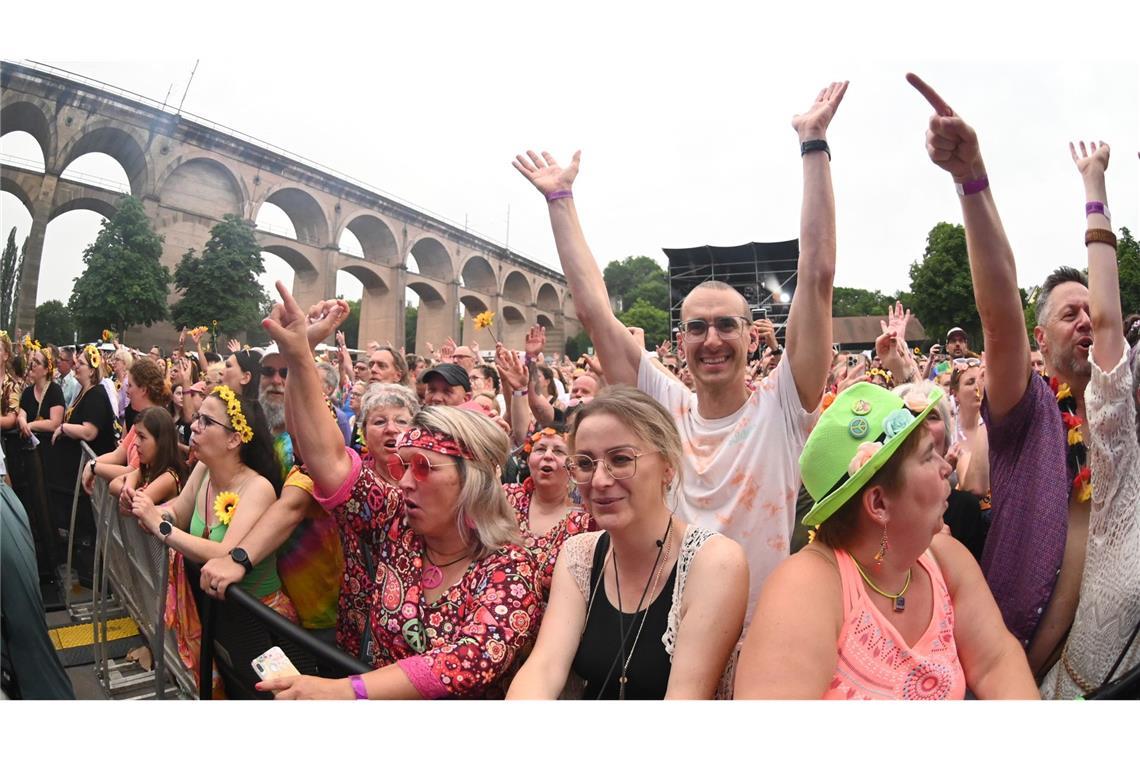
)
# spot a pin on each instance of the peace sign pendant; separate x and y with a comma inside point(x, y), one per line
point(431, 577)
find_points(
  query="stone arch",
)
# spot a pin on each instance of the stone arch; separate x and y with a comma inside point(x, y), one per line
point(512, 327)
point(117, 143)
point(479, 275)
point(547, 299)
point(432, 259)
point(377, 305)
point(516, 288)
point(545, 321)
point(294, 258)
point(24, 116)
point(435, 319)
point(376, 238)
point(473, 304)
point(203, 186)
point(304, 212)
point(9, 185)
point(102, 206)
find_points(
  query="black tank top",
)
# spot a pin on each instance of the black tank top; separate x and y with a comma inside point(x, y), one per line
point(598, 660)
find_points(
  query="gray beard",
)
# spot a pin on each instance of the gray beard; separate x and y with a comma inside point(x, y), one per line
point(274, 414)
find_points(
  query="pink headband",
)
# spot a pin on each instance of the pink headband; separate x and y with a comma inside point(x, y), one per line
point(419, 438)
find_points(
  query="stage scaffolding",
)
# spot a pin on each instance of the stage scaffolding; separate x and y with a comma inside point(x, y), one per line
point(765, 273)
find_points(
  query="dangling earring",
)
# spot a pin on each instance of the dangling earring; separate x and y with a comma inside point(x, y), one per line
point(883, 546)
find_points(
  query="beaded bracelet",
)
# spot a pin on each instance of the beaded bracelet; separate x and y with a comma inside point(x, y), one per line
point(1097, 235)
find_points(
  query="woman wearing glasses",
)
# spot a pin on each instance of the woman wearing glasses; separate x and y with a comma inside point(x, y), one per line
point(649, 607)
point(454, 598)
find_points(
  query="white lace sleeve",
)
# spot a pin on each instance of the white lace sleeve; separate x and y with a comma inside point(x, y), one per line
point(579, 553)
point(691, 543)
point(1114, 452)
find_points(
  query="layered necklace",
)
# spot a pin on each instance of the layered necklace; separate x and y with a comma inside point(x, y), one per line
point(1077, 454)
point(623, 659)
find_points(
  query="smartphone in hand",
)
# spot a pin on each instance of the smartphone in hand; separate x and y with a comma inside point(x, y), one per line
point(274, 664)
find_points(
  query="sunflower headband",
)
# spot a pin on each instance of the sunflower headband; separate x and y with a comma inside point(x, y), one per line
point(93, 356)
point(233, 411)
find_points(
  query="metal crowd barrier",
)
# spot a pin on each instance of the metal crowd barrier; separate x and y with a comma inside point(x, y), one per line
point(133, 565)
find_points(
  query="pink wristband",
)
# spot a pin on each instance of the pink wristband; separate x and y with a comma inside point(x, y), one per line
point(559, 194)
point(973, 186)
point(1096, 207)
point(358, 687)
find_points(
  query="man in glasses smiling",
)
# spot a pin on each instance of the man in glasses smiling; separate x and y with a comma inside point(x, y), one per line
point(741, 470)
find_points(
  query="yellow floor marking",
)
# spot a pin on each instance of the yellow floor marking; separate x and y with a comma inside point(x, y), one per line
point(84, 635)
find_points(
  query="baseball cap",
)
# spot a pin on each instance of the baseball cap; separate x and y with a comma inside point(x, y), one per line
point(452, 374)
point(954, 330)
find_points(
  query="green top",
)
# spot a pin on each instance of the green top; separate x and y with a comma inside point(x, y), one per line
point(262, 580)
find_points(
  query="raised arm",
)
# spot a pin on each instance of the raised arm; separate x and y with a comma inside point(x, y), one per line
point(618, 350)
point(315, 430)
point(514, 376)
point(1104, 282)
point(953, 146)
point(808, 332)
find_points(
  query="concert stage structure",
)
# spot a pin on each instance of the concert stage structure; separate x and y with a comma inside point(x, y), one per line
point(765, 273)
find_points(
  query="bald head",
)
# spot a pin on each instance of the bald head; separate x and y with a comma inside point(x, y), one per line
point(725, 293)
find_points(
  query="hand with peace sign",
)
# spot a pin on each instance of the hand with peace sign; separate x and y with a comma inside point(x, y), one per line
point(950, 141)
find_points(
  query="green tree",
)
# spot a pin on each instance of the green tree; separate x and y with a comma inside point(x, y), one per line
point(411, 315)
point(648, 317)
point(637, 277)
point(942, 293)
point(351, 326)
point(11, 264)
point(124, 282)
point(1128, 266)
point(221, 284)
point(576, 345)
point(856, 302)
point(54, 323)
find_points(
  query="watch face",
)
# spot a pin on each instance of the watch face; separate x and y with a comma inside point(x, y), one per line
point(239, 555)
point(165, 528)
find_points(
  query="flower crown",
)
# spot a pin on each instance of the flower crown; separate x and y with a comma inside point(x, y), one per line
point(233, 410)
point(539, 435)
point(94, 358)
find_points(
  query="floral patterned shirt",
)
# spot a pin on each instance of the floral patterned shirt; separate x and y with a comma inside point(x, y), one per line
point(464, 644)
point(546, 547)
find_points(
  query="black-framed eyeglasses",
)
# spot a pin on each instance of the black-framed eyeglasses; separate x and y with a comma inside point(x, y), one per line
point(728, 328)
point(620, 464)
point(268, 372)
point(207, 421)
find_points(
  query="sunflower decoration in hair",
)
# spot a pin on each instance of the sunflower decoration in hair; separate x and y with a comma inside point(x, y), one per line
point(225, 505)
point(94, 358)
point(233, 411)
point(108, 336)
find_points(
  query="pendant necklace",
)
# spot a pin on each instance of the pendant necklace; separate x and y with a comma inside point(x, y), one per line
point(432, 575)
point(659, 564)
point(898, 599)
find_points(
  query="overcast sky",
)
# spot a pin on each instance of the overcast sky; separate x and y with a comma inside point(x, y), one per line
point(682, 114)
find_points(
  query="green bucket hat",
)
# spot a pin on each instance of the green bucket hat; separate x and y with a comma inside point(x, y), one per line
point(853, 439)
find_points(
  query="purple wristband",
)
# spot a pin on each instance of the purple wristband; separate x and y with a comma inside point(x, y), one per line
point(559, 194)
point(973, 186)
point(1096, 207)
point(358, 687)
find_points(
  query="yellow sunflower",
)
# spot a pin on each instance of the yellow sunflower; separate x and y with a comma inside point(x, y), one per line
point(225, 505)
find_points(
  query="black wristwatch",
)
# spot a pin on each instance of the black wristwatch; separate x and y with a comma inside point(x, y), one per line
point(165, 528)
point(239, 556)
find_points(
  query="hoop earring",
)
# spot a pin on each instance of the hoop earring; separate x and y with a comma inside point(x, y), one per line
point(883, 546)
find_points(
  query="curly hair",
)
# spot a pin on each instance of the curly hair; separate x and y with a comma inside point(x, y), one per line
point(146, 373)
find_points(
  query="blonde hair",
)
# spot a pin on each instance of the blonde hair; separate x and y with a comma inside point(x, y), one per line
point(485, 519)
point(644, 417)
point(925, 387)
point(126, 356)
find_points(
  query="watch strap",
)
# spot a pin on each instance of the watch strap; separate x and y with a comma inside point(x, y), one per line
point(240, 556)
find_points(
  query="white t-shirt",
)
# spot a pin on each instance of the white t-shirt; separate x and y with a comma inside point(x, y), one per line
point(740, 474)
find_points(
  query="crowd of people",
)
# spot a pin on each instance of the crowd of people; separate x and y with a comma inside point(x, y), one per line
point(787, 519)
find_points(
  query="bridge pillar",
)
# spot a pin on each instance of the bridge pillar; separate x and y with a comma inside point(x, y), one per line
point(33, 254)
point(399, 304)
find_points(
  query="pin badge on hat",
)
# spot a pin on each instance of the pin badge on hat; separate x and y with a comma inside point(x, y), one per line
point(858, 427)
point(861, 408)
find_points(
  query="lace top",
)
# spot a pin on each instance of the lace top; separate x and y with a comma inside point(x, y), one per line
point(1110, 587)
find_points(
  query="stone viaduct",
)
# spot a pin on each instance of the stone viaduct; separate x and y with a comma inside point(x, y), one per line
point(189, 172)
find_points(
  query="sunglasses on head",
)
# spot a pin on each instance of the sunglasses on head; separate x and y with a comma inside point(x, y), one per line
point(421, 467)
point(268, 372)
point(969, 362)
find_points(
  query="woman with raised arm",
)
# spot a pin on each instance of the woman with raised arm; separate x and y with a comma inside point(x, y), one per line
point(672, 631)
point(1102, 642)
point(454, 599)
point(882, 604)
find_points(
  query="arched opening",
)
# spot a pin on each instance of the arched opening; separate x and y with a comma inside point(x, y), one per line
point(29, 120)
point(68, 234)
point(373, 316)
point(273, 219)
point(21, 150)
point(548, 298)
point(431, 259)
point(471, 306)
point(546, 322)
point(478, 275)
point(98, 170)
point(305, 215)
point(374, 238)
point(434, 320)
point(512, 328)
point(517, 289)
point(203, 187)
point(294, 270)
point(350, 245)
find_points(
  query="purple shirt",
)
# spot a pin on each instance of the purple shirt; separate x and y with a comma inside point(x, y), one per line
point(1029, 483)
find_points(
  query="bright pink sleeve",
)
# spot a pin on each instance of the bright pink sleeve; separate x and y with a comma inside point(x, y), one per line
point(419, 672)
point(341, 495)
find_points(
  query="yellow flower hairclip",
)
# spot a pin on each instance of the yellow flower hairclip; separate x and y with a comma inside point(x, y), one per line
point(233, 411)
point(225, 505)
point(93, 356)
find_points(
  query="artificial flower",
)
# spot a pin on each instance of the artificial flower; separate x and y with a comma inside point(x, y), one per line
point(863, 454)
point(915, 401)
point(896, 422)
point(225, 505)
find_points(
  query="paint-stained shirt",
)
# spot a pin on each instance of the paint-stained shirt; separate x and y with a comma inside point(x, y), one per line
point(740, 473)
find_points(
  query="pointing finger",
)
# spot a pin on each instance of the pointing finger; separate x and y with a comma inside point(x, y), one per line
point(932, 97)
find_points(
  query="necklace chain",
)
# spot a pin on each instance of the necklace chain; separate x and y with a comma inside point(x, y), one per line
point(655, 574)
point(876, 589)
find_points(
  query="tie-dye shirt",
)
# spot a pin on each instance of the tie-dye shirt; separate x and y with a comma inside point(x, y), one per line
point(741, 473)
point(311, 561)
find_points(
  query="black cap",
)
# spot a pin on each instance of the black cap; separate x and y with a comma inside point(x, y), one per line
point(452, 374)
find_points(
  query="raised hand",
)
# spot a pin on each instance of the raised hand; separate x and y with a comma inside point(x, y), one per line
point(295, 333)
point(447, 350)
point(545, 173)
point(767, 332)
point(897, 320)
point(535, 341)
point(812, 124)
point(1091, 164)
point(233, 345)
point(951, 143)
point(512, 372)
point(638, 334)
point(340, 339)
point(664, 348)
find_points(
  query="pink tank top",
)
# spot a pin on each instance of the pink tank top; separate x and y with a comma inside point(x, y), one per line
point(874, 660)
